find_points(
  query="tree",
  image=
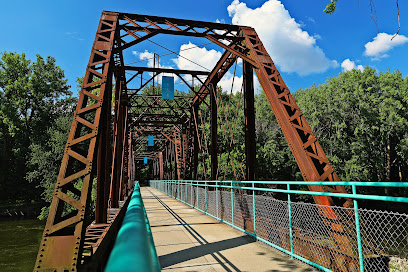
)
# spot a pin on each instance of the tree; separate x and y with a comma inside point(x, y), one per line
point(32, 95)
point(361, 121)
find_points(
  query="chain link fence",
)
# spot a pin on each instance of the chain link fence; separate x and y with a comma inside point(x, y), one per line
point(305, 230)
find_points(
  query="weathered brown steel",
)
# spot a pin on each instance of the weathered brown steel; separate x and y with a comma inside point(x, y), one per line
point(62, 241)
point(196, 146)
point(309, 155)
point(214, 131)
point(166, 70)
point(249, 112)
point(103, 162)
point(307, 151)
point(179, 158)
point(161, 168)
point(175, 125)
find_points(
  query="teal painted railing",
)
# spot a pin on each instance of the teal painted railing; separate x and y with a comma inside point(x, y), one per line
point(179, 190)
point(134, 248)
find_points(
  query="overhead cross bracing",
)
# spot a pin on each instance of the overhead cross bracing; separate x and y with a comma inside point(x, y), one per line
point(108, 136)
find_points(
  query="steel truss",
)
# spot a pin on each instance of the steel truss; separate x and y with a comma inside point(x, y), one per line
point(71, 241)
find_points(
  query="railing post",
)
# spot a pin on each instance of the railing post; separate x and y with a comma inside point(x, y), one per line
point(216, 198)
point(232, 203)
point(360, 248)
point(205, 196)
point(253, 206)
point(191, 193)
point(197, 203)
point(290, 222)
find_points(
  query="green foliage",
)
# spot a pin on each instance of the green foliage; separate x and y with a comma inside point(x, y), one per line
point(359, 117)
point(361, 121)
point(330, 8)
point(32, 95)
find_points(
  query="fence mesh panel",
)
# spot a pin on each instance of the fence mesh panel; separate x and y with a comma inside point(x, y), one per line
point(328, 243)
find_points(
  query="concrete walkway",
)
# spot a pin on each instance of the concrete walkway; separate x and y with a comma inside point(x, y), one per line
point(188, 240)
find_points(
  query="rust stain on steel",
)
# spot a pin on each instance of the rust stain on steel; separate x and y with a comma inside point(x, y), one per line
point(174, 124)
point(61, 244)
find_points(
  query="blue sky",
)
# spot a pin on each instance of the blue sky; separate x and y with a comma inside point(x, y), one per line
point(307, 45)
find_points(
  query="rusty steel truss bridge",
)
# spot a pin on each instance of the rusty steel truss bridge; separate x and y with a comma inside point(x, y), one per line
point(112, 121)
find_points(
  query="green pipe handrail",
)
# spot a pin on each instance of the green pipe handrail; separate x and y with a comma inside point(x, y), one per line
point(351, 195)
point(134, 248)
point(230, 185)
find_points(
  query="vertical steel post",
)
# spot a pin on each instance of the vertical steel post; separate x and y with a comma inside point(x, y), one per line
point(232, 203)
point(216, 197)
point(101, 207)
point(119, 131)
point(196, 146)
point(290, 222)
point(214, 128)
point(253, 207)
point(161, 169)
point(249, 111)
point(205, 187)
point(359, 243)
point(198, 204)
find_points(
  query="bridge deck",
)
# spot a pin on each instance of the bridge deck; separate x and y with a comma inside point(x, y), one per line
point(188, 240)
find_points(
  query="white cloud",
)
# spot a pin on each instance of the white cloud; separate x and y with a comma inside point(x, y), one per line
point(226, 83)
point(202, 56)
point(146, 55)
point(381, 44)
point(317, 36)
point(149, 57)
point(208, 59)
point(310, 19)
point(291, 48)
point(349, 65)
